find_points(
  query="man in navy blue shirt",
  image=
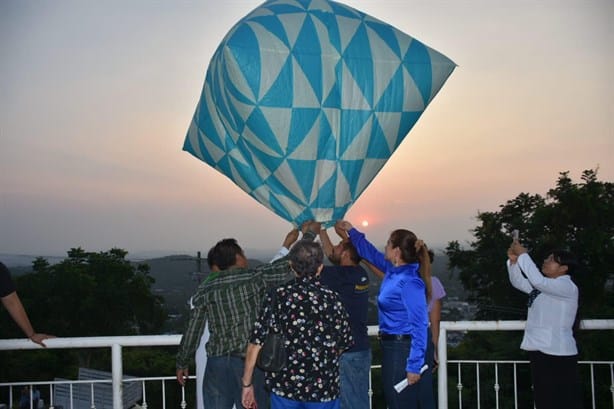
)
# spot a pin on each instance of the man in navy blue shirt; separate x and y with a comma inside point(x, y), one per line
point(348, 279)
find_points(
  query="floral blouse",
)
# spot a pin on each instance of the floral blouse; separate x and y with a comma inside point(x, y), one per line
point(317, 330)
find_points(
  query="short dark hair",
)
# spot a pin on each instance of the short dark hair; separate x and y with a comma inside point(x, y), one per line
point(306, 257)
point(349, 247)
point(566, 258)
point(224, 254)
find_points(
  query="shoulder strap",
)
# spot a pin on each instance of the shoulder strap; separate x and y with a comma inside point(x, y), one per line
point(273, 303)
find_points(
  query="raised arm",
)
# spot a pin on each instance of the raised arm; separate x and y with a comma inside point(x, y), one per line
point(379, 273)
point(340, 231)
point(327, 246)
point(289, 240)
point(278, 271)
point(365, 249)
point(559, 288)
point(519, 281)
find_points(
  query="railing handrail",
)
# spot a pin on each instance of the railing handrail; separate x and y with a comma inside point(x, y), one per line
point(445, 326)
point(588, 324)
point(117, 342)
point(174, 339)
point(92, 342)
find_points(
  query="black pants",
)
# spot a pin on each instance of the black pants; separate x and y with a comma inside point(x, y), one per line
point(556, 382)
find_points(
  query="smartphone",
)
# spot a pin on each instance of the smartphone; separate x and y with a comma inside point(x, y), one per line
point(515, 235)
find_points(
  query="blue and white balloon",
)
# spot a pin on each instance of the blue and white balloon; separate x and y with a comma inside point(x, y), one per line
point(304, 101)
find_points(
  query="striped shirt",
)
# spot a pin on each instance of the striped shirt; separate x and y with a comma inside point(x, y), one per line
point(230, 302)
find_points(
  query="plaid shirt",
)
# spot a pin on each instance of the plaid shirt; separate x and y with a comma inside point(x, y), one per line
point(230, 301)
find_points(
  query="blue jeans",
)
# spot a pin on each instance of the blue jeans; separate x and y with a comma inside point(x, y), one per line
point(354, 370)
point(222, 383)
point(394, 359)
point(277, 402)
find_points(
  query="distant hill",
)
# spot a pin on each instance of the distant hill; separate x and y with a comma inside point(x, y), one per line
point(177, 277)
point(19, 262)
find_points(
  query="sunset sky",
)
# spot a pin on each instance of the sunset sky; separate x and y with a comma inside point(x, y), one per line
point(96, 98)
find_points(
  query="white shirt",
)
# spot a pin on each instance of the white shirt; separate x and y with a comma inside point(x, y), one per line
point(283, 252)
point(550, 319)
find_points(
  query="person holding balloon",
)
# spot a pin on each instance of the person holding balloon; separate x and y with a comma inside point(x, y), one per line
point(228, 301)
point(316, 328)
point(402, 304)
point(426, 386)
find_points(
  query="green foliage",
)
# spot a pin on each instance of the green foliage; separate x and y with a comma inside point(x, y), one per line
point(92, 294)
point(87, 294)
point(578, 217)
point(574, 216)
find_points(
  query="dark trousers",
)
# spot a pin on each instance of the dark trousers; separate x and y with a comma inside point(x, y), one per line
point(394, 358)
point(426, 393)
point(556, 381)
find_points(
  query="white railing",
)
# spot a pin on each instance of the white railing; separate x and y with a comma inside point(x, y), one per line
point(442, 371)
point(117, 343)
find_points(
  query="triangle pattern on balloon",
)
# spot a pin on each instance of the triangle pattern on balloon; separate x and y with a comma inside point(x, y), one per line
point(304, 101)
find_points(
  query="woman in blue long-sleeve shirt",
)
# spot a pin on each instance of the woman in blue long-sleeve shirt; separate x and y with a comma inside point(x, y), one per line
point(403, 317)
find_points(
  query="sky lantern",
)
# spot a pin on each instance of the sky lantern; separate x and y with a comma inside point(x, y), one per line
point(304, 101)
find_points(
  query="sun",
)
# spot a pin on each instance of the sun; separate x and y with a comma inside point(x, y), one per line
point(365, 223)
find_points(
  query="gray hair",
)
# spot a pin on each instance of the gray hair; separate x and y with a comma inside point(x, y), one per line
point(306, 257)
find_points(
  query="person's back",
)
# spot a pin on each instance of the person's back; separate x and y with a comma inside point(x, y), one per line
point(311, 317)
point(228, 300)
point(351, 283)
point(231, 300)
point(315, 325)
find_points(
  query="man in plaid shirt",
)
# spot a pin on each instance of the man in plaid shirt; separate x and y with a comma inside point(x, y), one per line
point(229, 300)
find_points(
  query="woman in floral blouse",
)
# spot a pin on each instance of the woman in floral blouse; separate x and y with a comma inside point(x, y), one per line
point(316, 327)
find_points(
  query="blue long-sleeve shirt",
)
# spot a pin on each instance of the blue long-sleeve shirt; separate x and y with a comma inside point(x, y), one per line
point(401, 300)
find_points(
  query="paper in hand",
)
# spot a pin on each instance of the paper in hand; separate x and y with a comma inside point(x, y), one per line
point(403, 384)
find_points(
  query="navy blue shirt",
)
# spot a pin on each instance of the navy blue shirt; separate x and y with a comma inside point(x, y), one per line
point(6, 284)
point(352, 285)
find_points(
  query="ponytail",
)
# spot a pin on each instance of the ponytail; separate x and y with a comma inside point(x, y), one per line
point(406, 241)
point(425, 270)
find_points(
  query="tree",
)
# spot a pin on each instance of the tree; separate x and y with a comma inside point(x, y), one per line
point(575, 216)
point(87, 294)
point(93, 294)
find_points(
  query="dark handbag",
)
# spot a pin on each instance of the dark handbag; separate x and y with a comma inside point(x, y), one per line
point(272, 356)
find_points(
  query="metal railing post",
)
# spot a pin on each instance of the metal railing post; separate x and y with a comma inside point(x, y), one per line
point(117, 375)
point(442, 370)
point(116, 344)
